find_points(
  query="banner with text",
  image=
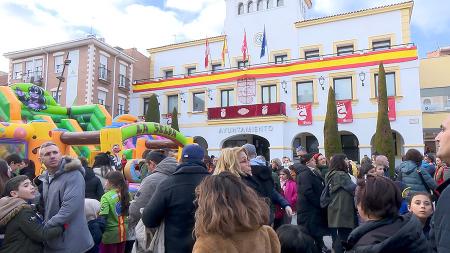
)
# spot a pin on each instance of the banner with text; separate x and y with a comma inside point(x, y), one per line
point(391, 109)
point(344, 111)
point(304, 114)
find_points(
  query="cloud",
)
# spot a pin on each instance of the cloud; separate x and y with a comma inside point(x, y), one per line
point(191, 6)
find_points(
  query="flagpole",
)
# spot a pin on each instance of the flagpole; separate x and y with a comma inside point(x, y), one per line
point(228, 52)
point(267, 46)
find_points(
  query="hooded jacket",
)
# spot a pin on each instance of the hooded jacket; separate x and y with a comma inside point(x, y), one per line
point(24, 229)
point(94, 187)
point(394, 235)
point(410, 177)
point(64, 206)
point(440, 232)
point(148, 186)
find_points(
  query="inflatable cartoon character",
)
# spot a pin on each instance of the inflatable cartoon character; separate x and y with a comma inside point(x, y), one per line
point(35, 99)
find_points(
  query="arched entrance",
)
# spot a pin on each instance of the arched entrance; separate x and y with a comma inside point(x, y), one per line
point(307, 140)
point(398, 144)
point(350, 145)
point(201, 142)
point(262, 144)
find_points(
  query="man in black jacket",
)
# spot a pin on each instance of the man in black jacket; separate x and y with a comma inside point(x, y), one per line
point(173, 201)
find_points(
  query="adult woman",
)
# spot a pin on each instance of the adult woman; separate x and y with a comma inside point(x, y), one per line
point(276, 165)
point(378, 201)
point(321, 163)
point(5, 175)
point(441, 171)
point(381, 165)
point(289, 192)
point(341, 210)
point(421, 205)
point(102, 165)
point(366, 169)
point(413, 175)
point(230, 218)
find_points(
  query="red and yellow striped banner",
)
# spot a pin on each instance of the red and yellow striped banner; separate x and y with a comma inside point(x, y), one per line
point(302, 67)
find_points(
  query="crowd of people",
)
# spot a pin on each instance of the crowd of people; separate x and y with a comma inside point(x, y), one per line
point(235, 202)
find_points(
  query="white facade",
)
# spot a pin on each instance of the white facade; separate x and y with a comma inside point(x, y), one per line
point(288, 33)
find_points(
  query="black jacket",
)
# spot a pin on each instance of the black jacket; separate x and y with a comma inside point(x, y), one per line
point(96, 227)
point(440, 234)
point(310, 214)
point(394, 235)
point(94, 187)
point(173, 203)
point(265, 186)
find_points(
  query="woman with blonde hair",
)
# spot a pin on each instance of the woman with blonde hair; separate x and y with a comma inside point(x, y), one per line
point(230, 218)
point(235, 161)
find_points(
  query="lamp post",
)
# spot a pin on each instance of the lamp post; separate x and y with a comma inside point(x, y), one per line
point(61, 77)
point(322, 82)
point(362, 77)
point(284, 86)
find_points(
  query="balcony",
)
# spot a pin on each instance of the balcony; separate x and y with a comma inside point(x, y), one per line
point(34, 77)
point(104, 74)
point(247, 111)
point(124, 82)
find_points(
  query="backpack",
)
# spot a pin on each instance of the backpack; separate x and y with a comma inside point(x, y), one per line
point(325, 196)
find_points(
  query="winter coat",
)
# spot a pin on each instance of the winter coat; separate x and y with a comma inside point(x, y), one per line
point(440, 174)
point(429, 167)
point(262, 240)
point(441, 223)
point(391, 235)
point(323, 170)
point(290, 193)
point(64, 205)
point(24, 229)
point(96, 228)
point(101, 172)
point(265, 185)
point(94, 188)
point(341, 210)
point(173, 202)
point(409, 176)
point(310, 214)
point(148, 186)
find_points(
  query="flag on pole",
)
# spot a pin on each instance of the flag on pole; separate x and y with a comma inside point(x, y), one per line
point(224, 51)
point(263, 44)
point(244, 48)
point(206, 53)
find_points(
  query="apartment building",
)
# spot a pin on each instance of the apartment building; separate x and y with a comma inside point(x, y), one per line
point(90, 71)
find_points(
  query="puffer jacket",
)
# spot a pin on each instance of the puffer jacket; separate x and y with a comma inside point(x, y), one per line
point(24, 229)
point(94, 187)
point(409, 176)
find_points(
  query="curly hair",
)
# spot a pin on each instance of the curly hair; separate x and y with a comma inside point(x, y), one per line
point(227, 205)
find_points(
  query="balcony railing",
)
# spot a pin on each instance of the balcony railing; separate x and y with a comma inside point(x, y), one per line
point(104, 74)
point(121, 111)
point(124, 82)
point(247, 111)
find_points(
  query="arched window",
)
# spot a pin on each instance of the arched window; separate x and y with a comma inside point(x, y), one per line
point(240, 8)
point(250, 6)
point(268, 4)
point(259, 5)
point(280, 3)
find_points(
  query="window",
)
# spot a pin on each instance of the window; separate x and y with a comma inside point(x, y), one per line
point(344, 50)
point(121, 105)
point(190, 70)
point(390, 84)
point(227, 98)
point(38, 68)
point(101, 97)
point(103, 73)
point(122, 75)
point(57, 99)
point(343, 88)
point(268, 4)
point(168, 73)
point(250, 6)
point(268, 94)
point(17, 68)
point(381, 45)
point(59, 64)
point(312, 54)
point(242, 64)
point(172, 102)
point(146, 103)
point(240, 8)
point(198, 102)
point(280, 3)
point(305, 92)
point(216, 67)
point(29, 69)
point(279, 59)
point(259, 5)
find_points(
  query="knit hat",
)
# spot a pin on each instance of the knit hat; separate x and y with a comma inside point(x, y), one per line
point(308, 156)
point(251, 149)
point(316, 156)
point(192, 152)
point(155, 156)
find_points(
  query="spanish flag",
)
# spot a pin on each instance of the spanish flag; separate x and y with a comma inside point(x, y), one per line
point(224, 51)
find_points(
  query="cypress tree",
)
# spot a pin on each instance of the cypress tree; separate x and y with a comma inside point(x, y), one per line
point(174, 123)
point(332, 139)
point(383, 141)
point(153, 114)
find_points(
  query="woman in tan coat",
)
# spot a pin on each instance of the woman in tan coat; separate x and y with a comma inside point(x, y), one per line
point(230, 218)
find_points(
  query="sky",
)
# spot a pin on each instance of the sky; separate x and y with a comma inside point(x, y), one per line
point(145, 24)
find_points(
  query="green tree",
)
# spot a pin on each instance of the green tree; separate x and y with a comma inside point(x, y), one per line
point(332, 139)
point(153, 114)
point(383, 141)
point(174, 123)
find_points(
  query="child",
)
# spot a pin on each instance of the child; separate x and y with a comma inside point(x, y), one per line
point(24, 229)
point(421, 205)
point(96, 223)
point(293, 239)
point(114, 208)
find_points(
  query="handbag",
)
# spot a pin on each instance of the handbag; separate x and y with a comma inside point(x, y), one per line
point(325, 196)
point(144, 237)
point(434, 194)
point(157, 243)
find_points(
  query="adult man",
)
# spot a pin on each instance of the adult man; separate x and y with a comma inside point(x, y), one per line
point(173, 201)
point(441, 219)
point(15, 163)
point(310, 215)
point(263, 182)
point(63, 194)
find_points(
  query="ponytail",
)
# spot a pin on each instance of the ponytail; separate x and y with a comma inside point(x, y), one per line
point(117, 180)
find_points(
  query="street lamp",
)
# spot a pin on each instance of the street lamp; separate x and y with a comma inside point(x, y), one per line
point(210, 94)
point(284, 86)
point(322, 82)
point(362, 77)
point(61, 77)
